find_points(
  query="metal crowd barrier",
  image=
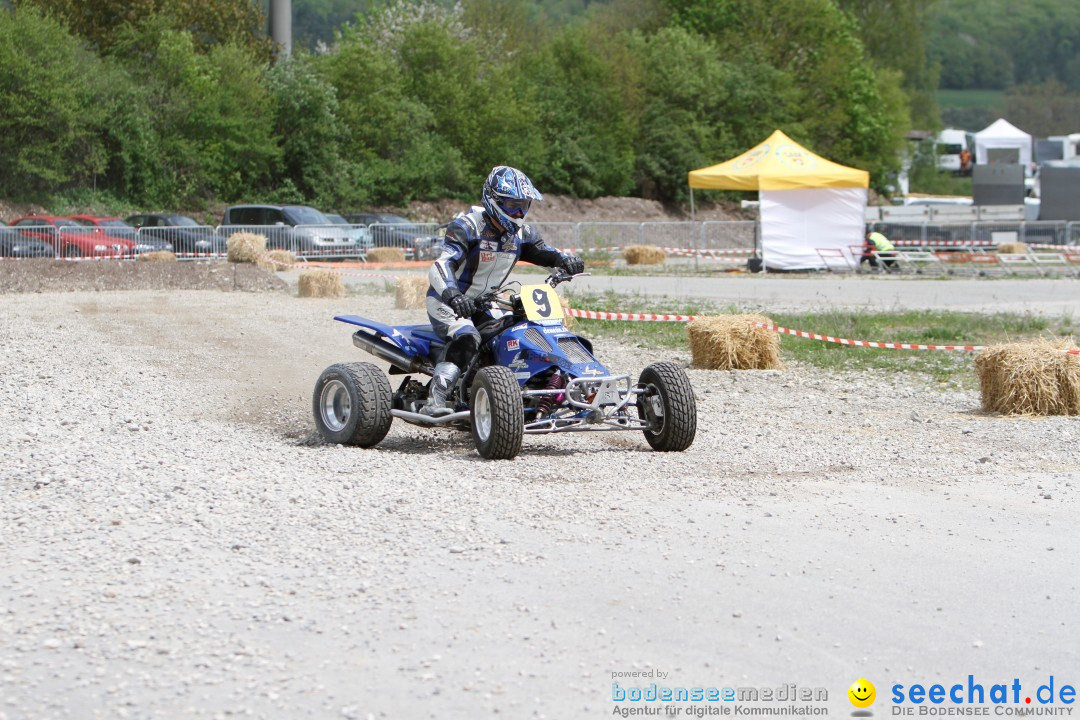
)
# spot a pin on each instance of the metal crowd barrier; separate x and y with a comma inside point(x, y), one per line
point(304, 241)
point(188, 242)
point(420, 241)
point(982, 233)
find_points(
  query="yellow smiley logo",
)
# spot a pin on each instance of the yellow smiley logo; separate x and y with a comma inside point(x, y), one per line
point(862, 693)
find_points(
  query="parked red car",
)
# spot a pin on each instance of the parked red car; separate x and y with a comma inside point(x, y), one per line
point(114, 227)
point(72, 239)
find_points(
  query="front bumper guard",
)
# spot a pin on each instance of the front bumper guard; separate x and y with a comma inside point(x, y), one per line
point(595, 404)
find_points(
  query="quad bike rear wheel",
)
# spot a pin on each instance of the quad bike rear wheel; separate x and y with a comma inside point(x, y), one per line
point(498, 420)
point(667, 404)
point(351, 404)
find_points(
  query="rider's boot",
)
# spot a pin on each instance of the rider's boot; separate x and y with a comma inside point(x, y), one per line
point(446, 374)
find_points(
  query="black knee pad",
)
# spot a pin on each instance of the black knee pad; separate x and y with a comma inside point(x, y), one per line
point(461, 349)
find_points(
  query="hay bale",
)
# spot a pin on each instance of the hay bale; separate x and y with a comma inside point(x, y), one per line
point(1012, 247)
point(568, 320)
point(386, 255)
point(1030, 378)
point(245, 247)
point(321, 283)
point(643, 255)
point(278, 260)
point(410, 293)
point(158, 256)
point(730, 342)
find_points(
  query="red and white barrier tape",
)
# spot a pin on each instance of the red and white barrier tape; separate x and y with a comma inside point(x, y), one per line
point(715, 252)
point(634, 317)
point(977, 244)
point(944, 243)
point(647, 317)
point(866, 343)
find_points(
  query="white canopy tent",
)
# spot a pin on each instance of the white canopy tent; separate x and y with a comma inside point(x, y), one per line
point(1001, 134)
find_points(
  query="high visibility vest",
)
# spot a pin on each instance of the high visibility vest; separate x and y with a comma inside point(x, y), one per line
point(880, 242)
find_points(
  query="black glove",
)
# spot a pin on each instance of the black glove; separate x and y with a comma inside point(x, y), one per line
point(462, 304)
point(572, 264)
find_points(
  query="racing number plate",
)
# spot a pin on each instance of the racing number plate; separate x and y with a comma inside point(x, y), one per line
point(541, 303)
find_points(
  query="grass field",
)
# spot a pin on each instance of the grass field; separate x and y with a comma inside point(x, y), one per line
point(971, 98)
point(921, 327)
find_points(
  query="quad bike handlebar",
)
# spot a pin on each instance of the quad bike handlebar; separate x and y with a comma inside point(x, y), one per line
point(484, 300)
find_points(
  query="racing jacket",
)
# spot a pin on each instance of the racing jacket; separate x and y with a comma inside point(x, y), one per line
point(477, 256)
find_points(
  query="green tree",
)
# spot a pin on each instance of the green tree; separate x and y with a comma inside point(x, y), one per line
point(210, 22)
point(389, 135)
point(1043, 109)
point(842, 108)
point(894, 34)
point(699, 109)
point(309, 130)
point(213, 133)
point(587, 135)
point(992, 44)
point(50, 121)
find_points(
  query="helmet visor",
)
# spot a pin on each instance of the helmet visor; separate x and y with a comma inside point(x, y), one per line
point(514, 208)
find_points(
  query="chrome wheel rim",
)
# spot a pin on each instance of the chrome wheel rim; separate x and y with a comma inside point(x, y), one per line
point(482, 414)
point(335, 405)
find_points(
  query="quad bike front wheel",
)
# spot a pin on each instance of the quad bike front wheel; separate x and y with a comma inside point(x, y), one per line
point(498, 420)
point(667, 404)
point(351, 404)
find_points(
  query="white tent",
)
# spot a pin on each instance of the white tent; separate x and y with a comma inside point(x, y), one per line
point(1002, 134)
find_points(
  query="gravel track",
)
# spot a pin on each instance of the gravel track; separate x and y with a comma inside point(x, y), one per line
point(173, 544)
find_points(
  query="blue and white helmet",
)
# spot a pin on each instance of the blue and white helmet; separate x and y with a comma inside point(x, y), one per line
point(507, 195)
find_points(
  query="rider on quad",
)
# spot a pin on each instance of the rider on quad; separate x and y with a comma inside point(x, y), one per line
point(481, 248)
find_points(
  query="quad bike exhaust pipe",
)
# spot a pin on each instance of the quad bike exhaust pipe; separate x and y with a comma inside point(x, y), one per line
point(429, 420)
point(388, 353)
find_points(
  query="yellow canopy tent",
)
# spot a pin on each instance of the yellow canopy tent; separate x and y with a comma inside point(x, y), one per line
point(811, 208)
point(778, 163)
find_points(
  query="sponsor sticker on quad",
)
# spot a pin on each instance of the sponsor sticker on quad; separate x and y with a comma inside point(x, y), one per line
point(512, 345)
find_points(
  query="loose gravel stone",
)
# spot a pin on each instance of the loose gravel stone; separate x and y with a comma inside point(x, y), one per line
point(214, 558)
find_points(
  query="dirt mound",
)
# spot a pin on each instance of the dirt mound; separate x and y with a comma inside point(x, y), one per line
point(563, 208)
point(554, 208)
point(10, 210)
point(32, 276)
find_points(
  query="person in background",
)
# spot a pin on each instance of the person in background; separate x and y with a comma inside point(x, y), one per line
point(876, 247)
point(965, 162)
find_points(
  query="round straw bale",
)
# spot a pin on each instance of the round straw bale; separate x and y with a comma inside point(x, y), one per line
point(643, 255)
point(568, 319)
point(1012, 247)
point(245, 247)
point(278, 260)
point(321, 283)
point(410, 293)
point(730, 342)
point(158, 256)
point(1030, 378)
point(386, 255)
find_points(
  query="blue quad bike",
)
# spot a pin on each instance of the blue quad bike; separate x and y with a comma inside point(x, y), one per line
point(531, 375)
